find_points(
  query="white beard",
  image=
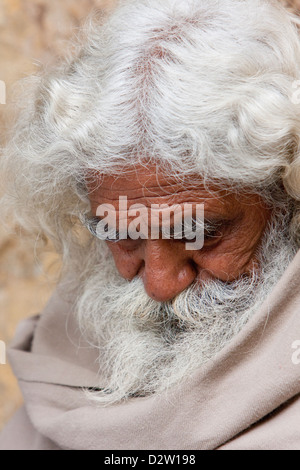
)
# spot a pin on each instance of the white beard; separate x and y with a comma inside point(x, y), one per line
point(145, 346)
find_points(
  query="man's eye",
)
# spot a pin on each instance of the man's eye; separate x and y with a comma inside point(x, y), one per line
point(215, 232)
point(212, 234)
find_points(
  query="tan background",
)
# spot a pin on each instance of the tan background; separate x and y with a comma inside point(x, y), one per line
point(31, 32)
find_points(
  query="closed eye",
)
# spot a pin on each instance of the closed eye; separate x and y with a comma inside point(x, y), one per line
point(212, 230)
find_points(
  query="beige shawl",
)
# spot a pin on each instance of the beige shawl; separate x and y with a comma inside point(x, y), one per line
point(247, 397)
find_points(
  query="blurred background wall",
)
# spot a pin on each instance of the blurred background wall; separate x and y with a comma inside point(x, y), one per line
point(32, 32)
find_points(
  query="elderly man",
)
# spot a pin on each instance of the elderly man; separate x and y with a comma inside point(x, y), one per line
point(149, 343)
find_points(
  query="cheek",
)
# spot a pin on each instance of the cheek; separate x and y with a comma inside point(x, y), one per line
point(234, 256)
point(225, 266)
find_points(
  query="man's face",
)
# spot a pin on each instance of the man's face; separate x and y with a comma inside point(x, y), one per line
point(157, 311)
point(166, 266)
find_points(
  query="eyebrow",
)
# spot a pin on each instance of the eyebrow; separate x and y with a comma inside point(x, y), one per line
point(210, 224)
point(214, 220)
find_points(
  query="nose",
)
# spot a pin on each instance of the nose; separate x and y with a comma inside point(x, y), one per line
point(167, 269)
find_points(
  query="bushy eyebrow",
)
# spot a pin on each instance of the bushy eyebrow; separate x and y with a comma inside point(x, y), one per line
point(209, 221)
point(211, 225)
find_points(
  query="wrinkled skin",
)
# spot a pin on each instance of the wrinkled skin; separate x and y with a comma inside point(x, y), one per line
point(166, 266)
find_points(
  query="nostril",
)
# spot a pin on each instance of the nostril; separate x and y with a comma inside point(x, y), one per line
point(164, 289)
point(159, 296)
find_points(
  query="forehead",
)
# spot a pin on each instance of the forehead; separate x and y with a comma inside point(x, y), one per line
point(143, 182)
point(149, 185)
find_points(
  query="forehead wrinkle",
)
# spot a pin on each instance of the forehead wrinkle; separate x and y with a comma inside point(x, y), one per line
point(153, 195)
point(146, 185)
point(143, 183)
point(213, 207)
point(160, 190)
point(152, 178)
